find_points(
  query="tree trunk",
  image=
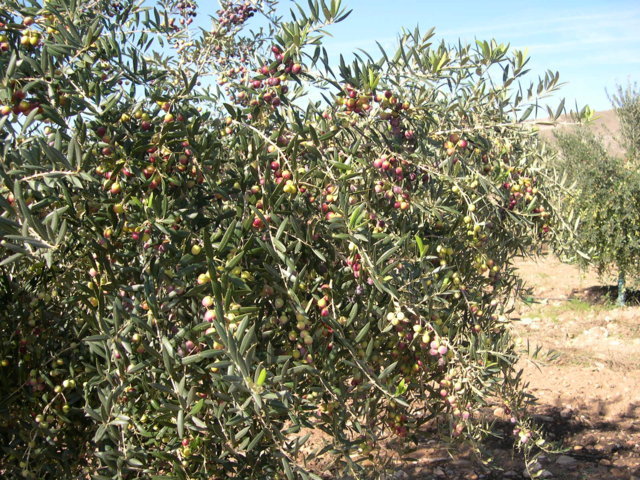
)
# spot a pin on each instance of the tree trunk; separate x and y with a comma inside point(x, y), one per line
point(621, 289)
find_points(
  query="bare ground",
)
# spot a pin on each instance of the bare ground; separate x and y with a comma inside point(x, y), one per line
point(589, 395)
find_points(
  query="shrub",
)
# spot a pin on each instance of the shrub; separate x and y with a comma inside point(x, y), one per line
point(196, 276)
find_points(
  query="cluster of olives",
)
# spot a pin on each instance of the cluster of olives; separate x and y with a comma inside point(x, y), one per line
point(234, 14)
point(186, 9)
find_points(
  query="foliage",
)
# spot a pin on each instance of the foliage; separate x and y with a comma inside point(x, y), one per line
point(197, 275)
point(607, 203)
point(626, 102)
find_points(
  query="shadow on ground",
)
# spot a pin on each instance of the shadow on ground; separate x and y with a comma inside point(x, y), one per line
point(588, 448)
point(605, 294)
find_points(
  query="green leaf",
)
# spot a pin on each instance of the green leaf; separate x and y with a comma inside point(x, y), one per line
point(386, 255)
point(356, 215)
point(262, 376)
point(180, 423)
point(287, 469)
point(227, 235)
point(197, 407)
point(255, 440)
point(11, 258)
point(387, 371)
point(26, 212)
point(111, 102)
point(281, 228)
point(11, 67)
point(421, 247)
point(362, 333)
point(198, 357)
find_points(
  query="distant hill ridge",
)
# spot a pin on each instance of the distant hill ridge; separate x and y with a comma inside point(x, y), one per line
point(605, 125)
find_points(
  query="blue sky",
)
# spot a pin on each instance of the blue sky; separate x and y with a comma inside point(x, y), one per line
point(593, 44)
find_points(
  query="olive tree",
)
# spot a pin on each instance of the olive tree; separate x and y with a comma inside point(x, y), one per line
point(626, 103)
point(202, 265)
point(606, 205)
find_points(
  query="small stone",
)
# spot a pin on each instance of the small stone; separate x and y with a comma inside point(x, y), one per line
point(605, 462)
point(590, 440)
point(620, 462)
point(438, 472)
point(565, 460)
point(545, 474)
point(544, 418)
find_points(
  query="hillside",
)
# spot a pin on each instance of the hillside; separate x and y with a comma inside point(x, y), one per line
point(605, 124)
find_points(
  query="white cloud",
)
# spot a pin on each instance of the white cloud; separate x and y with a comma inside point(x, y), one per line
point(568, 23)
point(622, 57)
point(569, 32)
point(586, 41)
